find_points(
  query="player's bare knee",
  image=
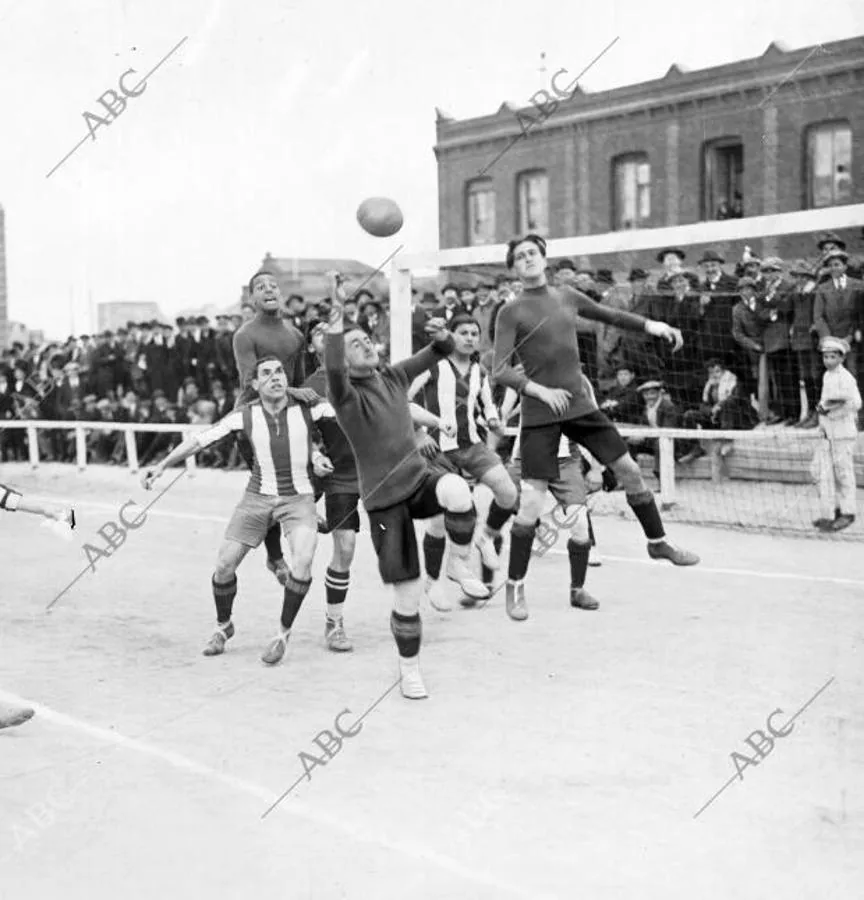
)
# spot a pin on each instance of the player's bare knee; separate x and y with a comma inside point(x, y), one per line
point(628, 473)
point(344, 545)
point(503, 489)
point(436, 527)
point(454, 494)
point(531, 502)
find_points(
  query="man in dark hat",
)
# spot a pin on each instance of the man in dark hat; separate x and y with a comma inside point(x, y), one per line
point(803, 338)
point(838, 306)
point(672, 260)
point(714, 279)
point(717, 299)
point(747, 330)
point(451, 305)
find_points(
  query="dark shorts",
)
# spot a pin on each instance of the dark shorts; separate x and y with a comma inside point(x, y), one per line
point(595, 432)
point(393, 535)
point(341, 512)
point(475, 460)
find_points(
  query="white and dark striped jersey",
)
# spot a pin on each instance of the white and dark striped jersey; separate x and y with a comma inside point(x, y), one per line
point(282, 445)
point(457, 398)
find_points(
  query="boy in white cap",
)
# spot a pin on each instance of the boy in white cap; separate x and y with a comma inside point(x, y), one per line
point(838, 412)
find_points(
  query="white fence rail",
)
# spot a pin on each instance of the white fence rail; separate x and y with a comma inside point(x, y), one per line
point(130, 429)
point(665, 437)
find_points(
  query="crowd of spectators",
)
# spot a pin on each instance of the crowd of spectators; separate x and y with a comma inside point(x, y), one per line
point(751, 330)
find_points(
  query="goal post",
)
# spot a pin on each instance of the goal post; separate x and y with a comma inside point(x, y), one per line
point(769, 481)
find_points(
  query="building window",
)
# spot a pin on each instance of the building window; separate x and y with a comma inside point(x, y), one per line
point(829, 164)
point(533, 203)
point(481, 213)
point(631, 191)
point(722, 179)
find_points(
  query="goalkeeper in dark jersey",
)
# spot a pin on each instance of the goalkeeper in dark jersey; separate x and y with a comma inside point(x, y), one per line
point(539, 330)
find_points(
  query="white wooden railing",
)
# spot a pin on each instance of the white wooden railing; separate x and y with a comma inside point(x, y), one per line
point(665, 436)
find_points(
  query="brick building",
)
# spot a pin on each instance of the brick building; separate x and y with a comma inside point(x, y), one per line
point(779, 133)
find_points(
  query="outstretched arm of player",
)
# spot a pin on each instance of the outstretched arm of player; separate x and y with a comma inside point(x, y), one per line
point(597, 312)
point(418, 383)
point(490, 412)
point(14, 501)
point(426, 419)
point(231, 423)
point(338, 386)
point(441, 346)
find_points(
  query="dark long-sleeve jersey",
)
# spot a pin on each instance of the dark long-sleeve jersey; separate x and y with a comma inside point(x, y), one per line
point(373, 412)
point(267, 335)
point(539, 330)
point(343, 478)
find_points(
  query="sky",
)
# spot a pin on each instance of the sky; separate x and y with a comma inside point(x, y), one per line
point(274, 120)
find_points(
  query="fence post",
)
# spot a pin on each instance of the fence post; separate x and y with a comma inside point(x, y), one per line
point(667, 472)
point(81, 448)
point(190, 460)
point(131, 450)
point(33, 446)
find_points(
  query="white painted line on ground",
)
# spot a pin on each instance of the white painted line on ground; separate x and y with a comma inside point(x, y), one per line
point(750, 573)
point(265, 795)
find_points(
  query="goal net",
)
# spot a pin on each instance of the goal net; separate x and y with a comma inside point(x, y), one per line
point(724, 429)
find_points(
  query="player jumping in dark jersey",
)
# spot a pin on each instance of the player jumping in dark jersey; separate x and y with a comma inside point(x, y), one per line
point(268, 334)
point(279, 492)
point(539, 328)
point(396, 483)
point(14, 501)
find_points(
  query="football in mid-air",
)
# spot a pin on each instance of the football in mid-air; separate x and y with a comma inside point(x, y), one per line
point(380, 216)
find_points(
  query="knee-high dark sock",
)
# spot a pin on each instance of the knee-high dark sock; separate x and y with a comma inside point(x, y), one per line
point(460, 526)
point(486, 573)
point(645, 508)
point(521, 542)
point(433, 554)
point(591, 539)
point(578, 554)
point(273, 543)
point(498, 516)
point(224, 595)
point(407, 632)
point(295, 590)
point(336, 586)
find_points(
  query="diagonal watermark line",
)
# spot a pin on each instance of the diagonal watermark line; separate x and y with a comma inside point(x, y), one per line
point(524, 133)
point(284, 794)
point(84, 571)
point(91, 136)
point(737, 776)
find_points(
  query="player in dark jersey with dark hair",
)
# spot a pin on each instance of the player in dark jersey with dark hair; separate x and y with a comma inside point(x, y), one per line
point(268, 334)
point(540, 328)
point(396, 483)
point(14, 501)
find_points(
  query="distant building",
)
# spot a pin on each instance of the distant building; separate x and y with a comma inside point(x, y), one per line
point(114, 315)
point(779, 133)
point(309, 277)
point(20, 333)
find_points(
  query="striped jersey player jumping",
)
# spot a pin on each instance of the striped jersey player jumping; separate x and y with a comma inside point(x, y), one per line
point(14, 501)
point(539, 327)
point(455, 390)
point(268, 334)
point(279, 431)
point(396, 483)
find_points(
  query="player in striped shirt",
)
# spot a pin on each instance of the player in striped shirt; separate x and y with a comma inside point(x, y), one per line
point(457, 390)
point(14, 501)
point(279, 491)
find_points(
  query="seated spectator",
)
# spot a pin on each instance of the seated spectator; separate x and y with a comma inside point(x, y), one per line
point(722, 407)
point(658, 411)
point(622, 402)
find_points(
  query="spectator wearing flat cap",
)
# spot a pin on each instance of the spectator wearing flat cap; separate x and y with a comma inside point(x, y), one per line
point(838, 307)
point(833, 462)
point(718, 294)
point(827, 242)
point(658, 411)
point(747, 329)
point(804, 339)
point(775, 311)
